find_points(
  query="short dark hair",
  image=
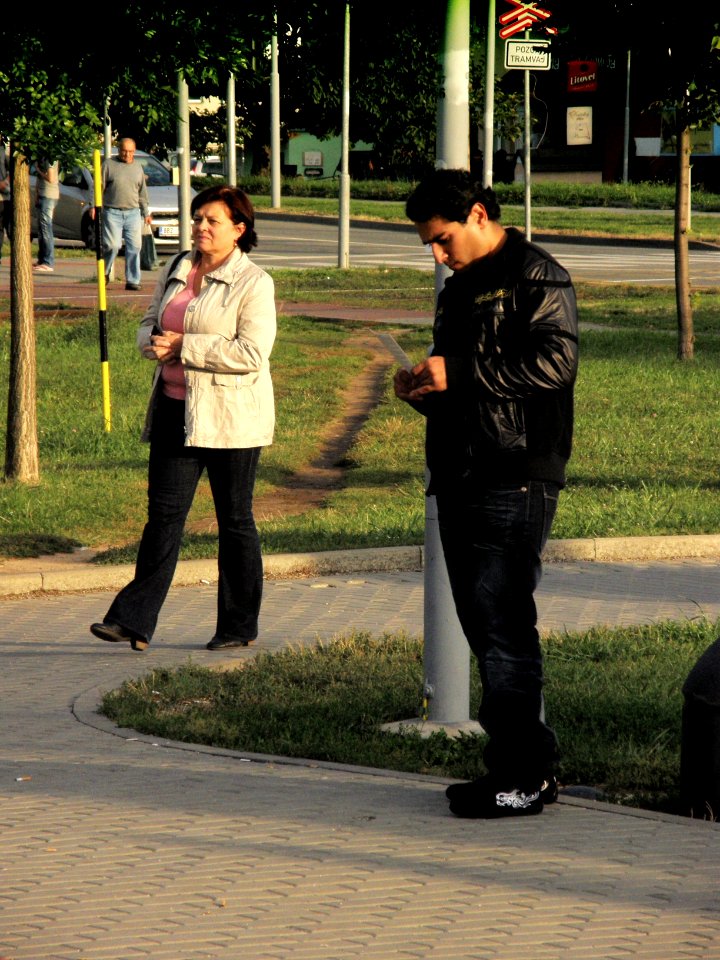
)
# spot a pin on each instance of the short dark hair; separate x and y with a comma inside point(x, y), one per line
point(239, 208)
point(450, 194)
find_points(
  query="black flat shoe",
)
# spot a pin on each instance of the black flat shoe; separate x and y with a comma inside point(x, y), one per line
point(116, 634)
point(218, 643)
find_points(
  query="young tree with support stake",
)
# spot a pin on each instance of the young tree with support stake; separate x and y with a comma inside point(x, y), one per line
point(679, 49)
point(692, 67)
point(54, 83)
point(44, 112)
point(682, 50)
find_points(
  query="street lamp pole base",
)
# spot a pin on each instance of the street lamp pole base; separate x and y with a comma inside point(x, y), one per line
point(426, 728)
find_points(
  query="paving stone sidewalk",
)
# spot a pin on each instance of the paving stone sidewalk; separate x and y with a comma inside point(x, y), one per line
point(116, 846)
point(124, 846)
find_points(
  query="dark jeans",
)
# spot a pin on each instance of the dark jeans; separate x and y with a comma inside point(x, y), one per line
point(492, 549)
point(174, 472)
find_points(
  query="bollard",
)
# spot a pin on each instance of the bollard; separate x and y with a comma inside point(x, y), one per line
point(700, 738)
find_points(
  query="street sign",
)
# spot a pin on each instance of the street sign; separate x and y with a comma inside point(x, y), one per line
point(523, 16)
point(527, 55)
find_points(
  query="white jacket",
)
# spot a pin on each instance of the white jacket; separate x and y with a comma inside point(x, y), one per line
point(229, 331)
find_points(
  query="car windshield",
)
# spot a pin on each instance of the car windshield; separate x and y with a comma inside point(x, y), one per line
point(156, 174)
point(73, 178)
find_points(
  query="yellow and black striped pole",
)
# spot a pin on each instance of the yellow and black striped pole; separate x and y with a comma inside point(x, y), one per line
point(102, 294)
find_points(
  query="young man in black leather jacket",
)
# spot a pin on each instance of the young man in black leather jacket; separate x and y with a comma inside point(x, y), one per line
point(497, 392)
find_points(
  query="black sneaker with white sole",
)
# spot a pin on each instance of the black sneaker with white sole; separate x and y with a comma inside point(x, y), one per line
point(548, 789)
point(483, 799)
point(494, 803)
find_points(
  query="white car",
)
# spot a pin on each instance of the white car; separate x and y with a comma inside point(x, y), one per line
point(212, 166)
point(72, 219)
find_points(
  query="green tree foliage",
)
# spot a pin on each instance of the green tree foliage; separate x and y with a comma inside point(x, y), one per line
point(682, 50)
point(45, 109)
point(206, 43)
point(56, 77)
point(675, 55)
point(394, 75)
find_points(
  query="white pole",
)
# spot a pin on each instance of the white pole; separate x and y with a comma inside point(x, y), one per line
point(344, 195)
point(231, 148)
point(626, 134)
point(107, 143)
point(275, 157)
point(526, 160)
point(107, 130)
point(489, 123)
point(446, 651)
point(183, 139)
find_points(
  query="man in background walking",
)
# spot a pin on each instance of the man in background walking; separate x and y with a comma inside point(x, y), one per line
point(125, 209)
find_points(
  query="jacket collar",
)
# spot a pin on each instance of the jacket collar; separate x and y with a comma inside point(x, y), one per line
point(227, 272)
point(490, 265)
point(230, 270)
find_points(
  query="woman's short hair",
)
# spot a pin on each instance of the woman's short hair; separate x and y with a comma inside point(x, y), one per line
point(239, 208)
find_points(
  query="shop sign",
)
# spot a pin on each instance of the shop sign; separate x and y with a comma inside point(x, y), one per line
point(579, 126)
point(582, 76)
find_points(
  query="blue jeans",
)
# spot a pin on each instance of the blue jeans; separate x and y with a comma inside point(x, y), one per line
point(173, 475)
point(46, 238)
point(492, 549)
point(123, 226)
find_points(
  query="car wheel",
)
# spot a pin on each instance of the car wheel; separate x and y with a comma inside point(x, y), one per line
point(88, 232)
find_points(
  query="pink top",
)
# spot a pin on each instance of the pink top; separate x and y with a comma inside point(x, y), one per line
point(173, 376)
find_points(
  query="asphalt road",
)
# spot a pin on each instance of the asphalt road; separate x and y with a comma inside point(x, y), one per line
point(297, 242)
point(300, 242)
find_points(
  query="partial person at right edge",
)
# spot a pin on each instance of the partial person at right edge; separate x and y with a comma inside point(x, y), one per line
point(210, 329)
point(5, 196)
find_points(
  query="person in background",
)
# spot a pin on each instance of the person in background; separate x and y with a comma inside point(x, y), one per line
point(497, 392)
point(47, 194)
point(5, 196)
point(125, 208)
point(209, 329)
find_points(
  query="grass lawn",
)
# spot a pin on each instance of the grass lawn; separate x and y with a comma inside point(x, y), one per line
point(612, 696)
point(644, 462)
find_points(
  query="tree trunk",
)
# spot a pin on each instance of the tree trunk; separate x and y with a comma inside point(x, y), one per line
point(686, 336)
point(21, 446)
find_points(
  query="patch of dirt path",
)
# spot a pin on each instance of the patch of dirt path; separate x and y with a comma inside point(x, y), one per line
point(310, 486)
point(306, 489)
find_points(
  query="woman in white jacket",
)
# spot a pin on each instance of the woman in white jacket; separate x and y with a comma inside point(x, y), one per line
point(210, 329)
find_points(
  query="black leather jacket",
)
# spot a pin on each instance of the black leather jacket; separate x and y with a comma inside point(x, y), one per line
point(507, 327)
